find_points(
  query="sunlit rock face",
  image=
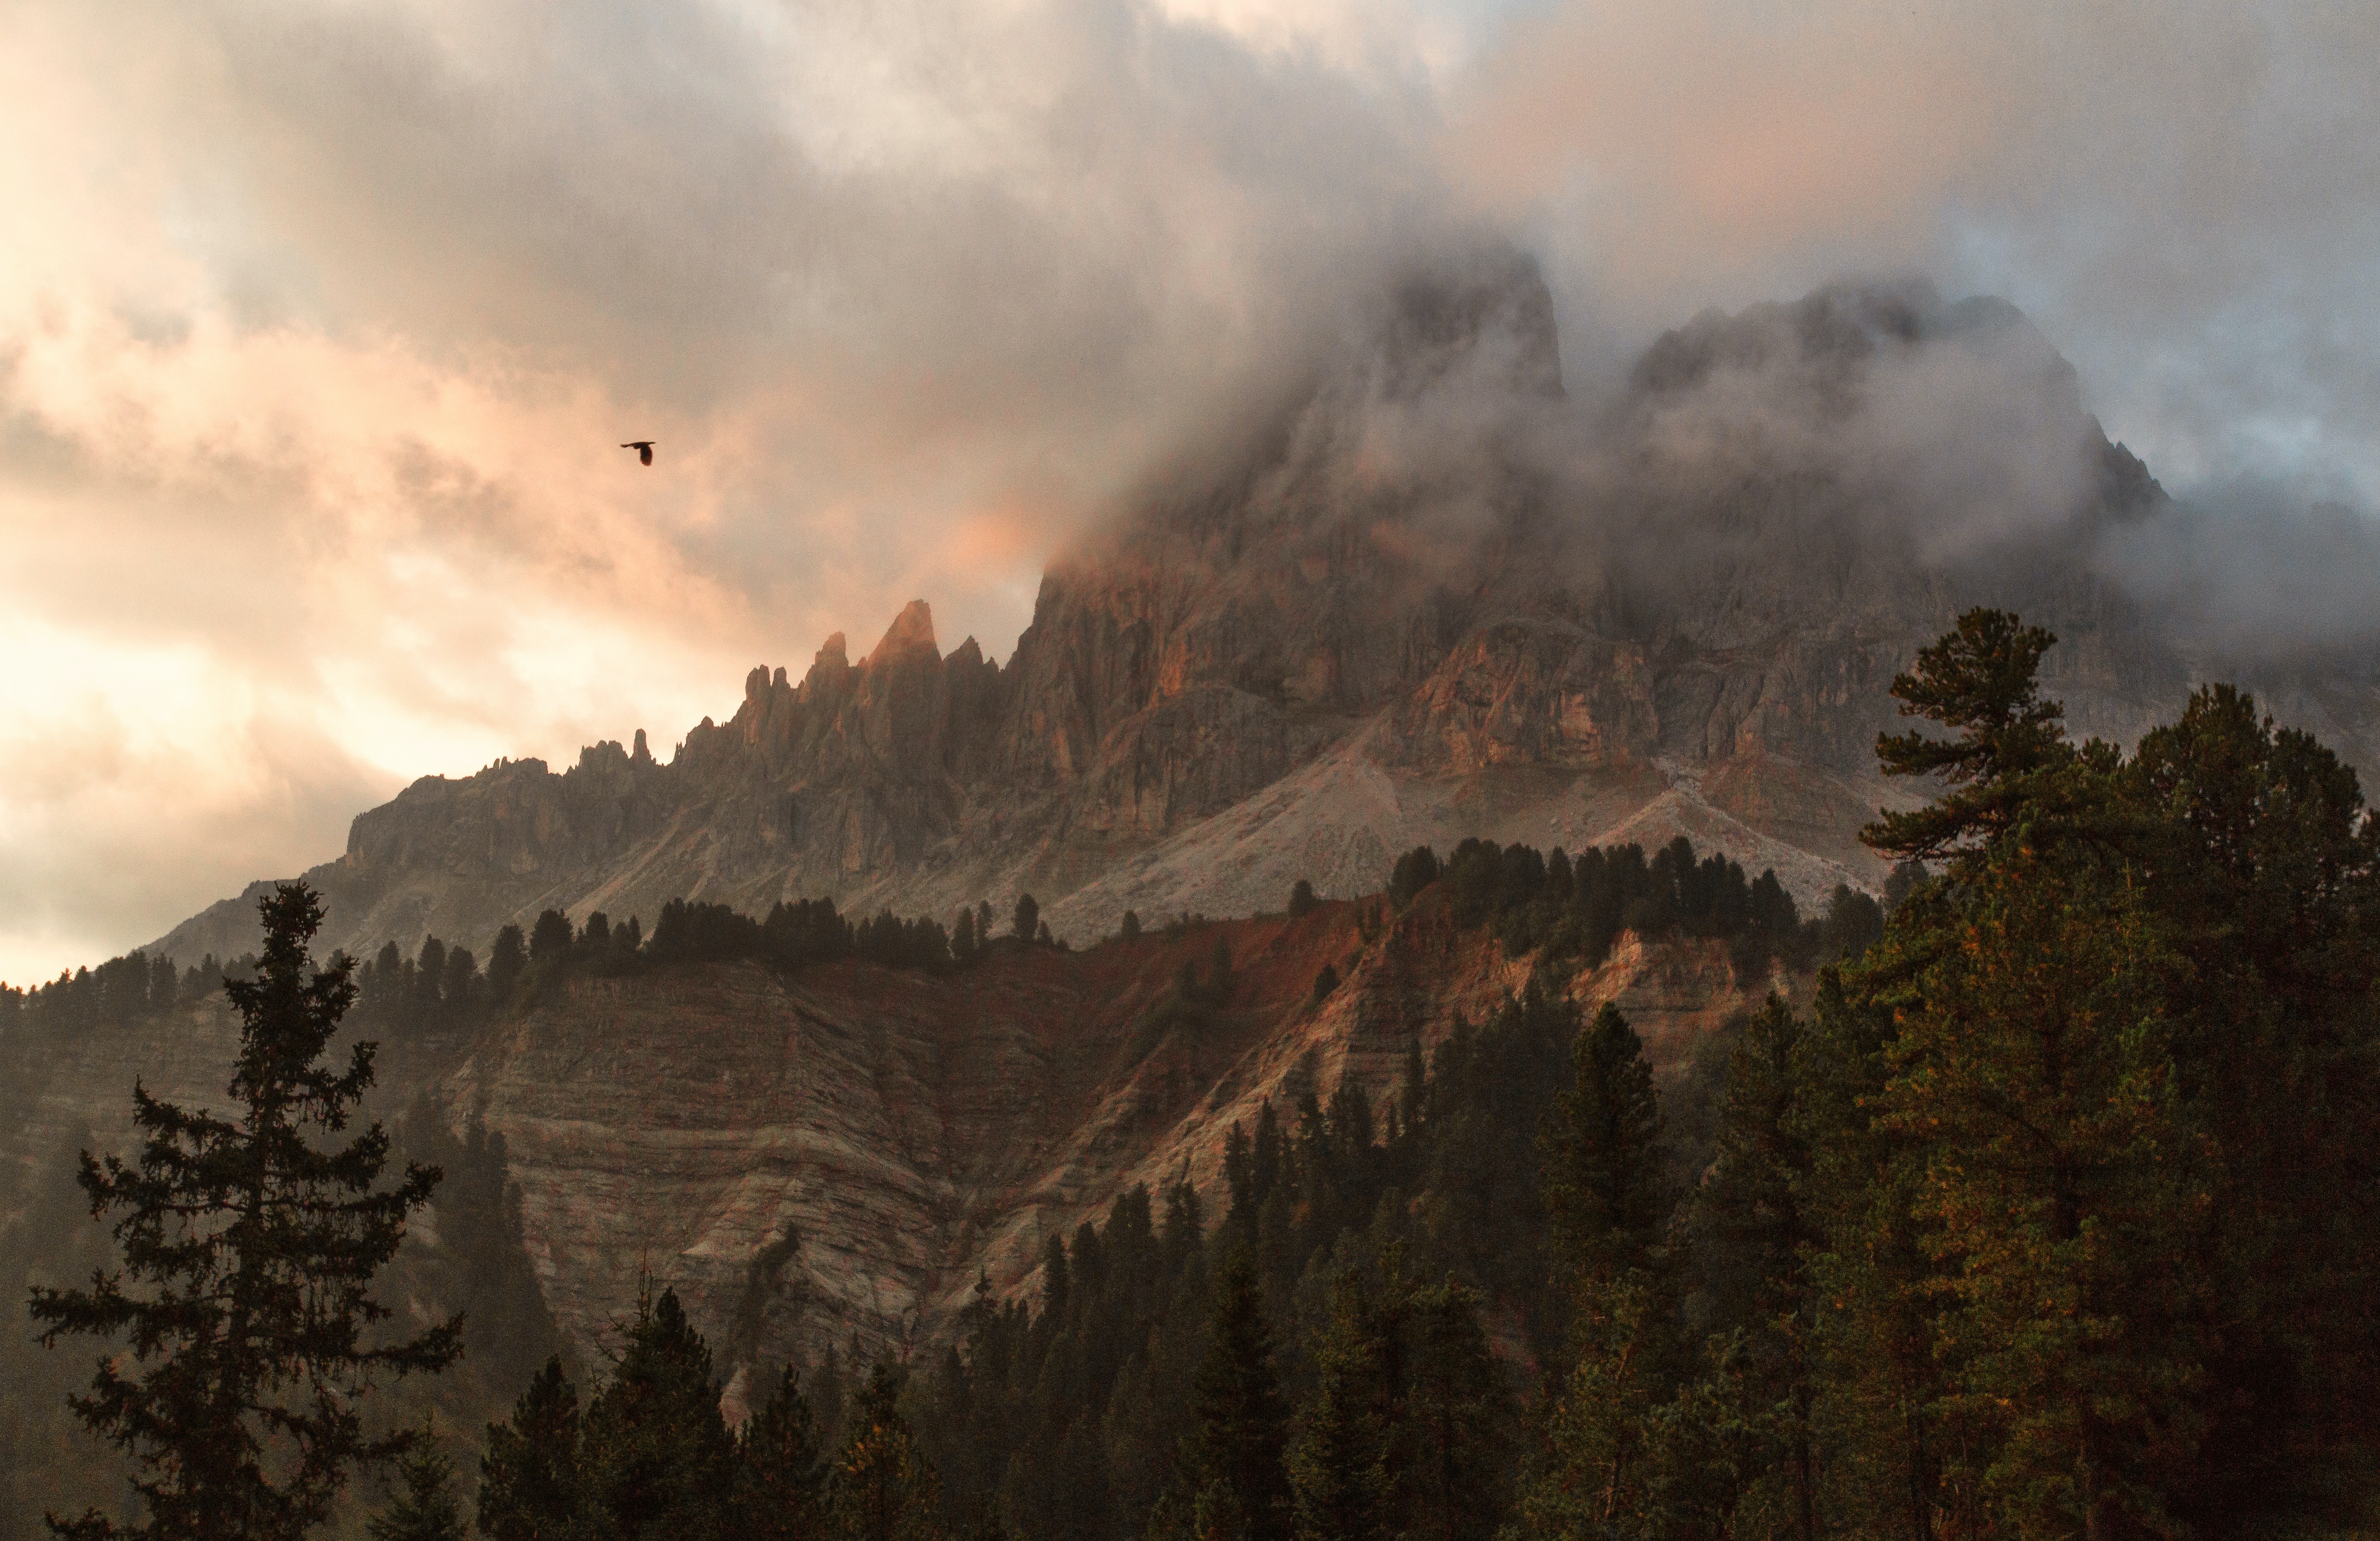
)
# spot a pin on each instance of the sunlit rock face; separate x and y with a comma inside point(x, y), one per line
point(1421, 595)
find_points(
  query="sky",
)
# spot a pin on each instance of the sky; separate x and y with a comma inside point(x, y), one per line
point(320, 322)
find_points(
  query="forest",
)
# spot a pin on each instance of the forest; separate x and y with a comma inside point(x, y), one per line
point(2048, 1211)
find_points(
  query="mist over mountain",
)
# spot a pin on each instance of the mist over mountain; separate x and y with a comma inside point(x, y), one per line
point(1419, 586)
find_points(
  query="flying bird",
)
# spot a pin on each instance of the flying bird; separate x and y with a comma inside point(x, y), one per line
point(644, 448)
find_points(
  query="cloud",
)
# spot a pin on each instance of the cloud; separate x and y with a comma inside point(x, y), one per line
point(2165, 189)
point(318, 322)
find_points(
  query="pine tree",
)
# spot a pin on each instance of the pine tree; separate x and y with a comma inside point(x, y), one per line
point(533, 1480)
point(658, 1459)
point(1449, 1464)
point(259, 1239)
point(2058, 1177)
point(1982, 682)
point(1755, 1232)
point(1337, 1470)
point(1603, 1156)
point(1232, 1462)
point(1026, 919)
point(426, 1508)
point(779, 1475)
point(882, 1489)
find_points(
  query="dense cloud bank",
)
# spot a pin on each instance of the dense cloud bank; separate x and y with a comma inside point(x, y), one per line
point(317, 326)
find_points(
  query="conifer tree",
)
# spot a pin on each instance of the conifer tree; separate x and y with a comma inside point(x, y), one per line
point(257, 1237)
point(882, 1489)
point(1755, 1231)
point(779, 1475)
point(2057, 1175)
point(1337, 1470)
point(660, 1462)
point(533, 1480)
point(425, 1508)
point(1981, 681)
point(1233, 1459)
point(1603, 1168)
point(1449, 1462)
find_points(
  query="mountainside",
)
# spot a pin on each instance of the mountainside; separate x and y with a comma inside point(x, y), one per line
point(1429, 598)
point(836, 1153)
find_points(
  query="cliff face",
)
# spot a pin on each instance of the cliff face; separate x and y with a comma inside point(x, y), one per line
point(837, 1153)
point(1427, 598)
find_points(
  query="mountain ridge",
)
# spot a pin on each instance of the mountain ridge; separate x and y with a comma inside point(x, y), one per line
point(1432, 597)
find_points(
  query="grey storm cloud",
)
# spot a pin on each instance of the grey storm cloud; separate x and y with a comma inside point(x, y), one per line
point(318, 323)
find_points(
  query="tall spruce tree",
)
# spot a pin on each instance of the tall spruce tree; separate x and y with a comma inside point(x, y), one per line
point(256, 1237)
point(1232, 1460)
point(1981, 681)
point(658, 1459)
point(2057, 1173)
point(1338, 1468)
point(1753, 1231)
point(533, 1477)
point(883, 1488)
point(1604, 1155)
point(424, 1508)
point(779, 1475)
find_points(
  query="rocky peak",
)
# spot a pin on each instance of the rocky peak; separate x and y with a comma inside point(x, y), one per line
point(911, 632)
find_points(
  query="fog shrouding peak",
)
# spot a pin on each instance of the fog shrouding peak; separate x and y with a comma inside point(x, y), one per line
point(317, 326)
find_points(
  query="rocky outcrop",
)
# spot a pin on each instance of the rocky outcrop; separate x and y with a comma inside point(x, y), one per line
point(1423, 599)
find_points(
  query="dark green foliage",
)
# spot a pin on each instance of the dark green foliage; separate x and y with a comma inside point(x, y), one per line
point(1577, 907)
point(780, 1476)
point(1338, 1466)
point(881, 1488)
point(1905, 880)
point(1415, 870)
point(1129, 927)
point(1026, 919)
point(533, 1480)
point(1326, 980)
point(1753, 1233)
point(479, 1268)
point(550, 936)
point(506, 961)
point(1302, 902)
point(424, 1508)
point(1239, 1419)
point(660, 1463)
point(1603, 1165)
point(1981, 682)
point(256, 1240)
point(963, 942)
point(121, 992)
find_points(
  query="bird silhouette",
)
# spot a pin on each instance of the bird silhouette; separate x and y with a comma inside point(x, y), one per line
point(644, 448)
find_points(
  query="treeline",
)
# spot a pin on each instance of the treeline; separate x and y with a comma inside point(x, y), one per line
point(134, 988)
point(2055, 1214)
point(791, 935)
point(1577, 907)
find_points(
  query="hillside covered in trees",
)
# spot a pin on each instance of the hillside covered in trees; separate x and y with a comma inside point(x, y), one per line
point(2045, 1207)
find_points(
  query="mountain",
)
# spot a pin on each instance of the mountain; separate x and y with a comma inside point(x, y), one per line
point(1428, 594)
point(835, 1154)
